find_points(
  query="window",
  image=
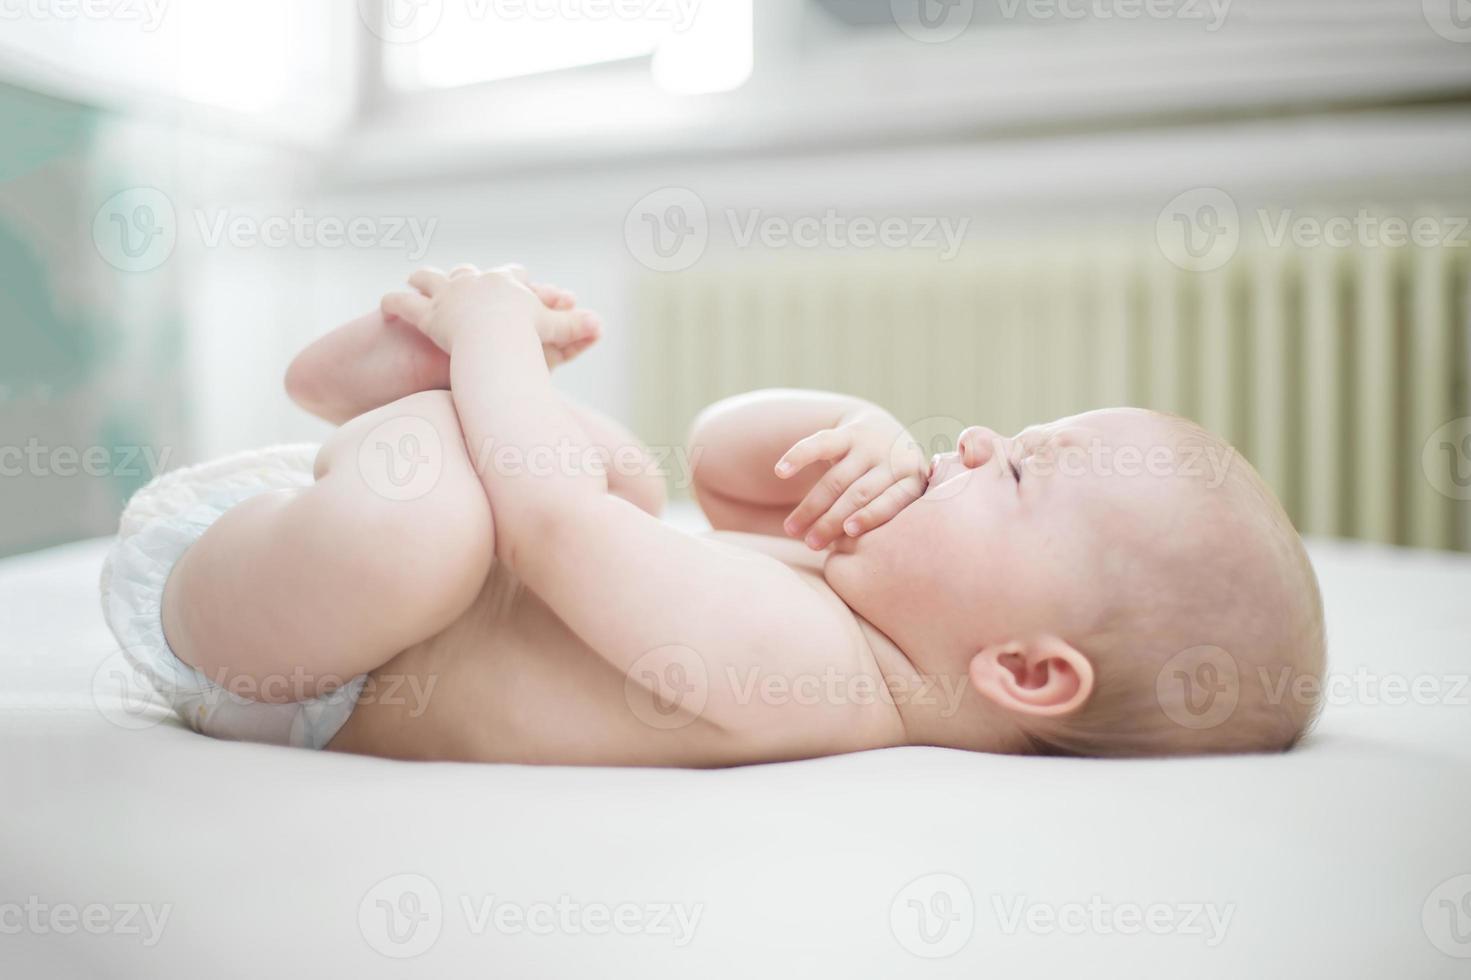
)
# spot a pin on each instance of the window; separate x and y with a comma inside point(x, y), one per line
point(691, 46)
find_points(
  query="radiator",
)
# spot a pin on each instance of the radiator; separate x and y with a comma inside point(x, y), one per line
point(1339, 372)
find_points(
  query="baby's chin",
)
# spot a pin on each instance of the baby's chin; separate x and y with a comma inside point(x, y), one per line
point(868, 571)
point(846, 556)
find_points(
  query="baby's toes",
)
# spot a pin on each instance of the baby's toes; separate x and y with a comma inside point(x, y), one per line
point(563, 328)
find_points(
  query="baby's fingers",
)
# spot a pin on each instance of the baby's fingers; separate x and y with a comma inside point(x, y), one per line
point(824, 493)
point(410, 307)
point(885, 507)
point(860, 493)
point(828, 444)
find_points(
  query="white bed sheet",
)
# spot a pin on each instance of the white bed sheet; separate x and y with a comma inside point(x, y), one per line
point(1340, 859)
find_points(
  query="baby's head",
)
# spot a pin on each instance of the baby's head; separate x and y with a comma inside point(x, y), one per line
point(1117, 583)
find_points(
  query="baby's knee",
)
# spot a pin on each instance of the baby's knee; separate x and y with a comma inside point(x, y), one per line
point(416, 492)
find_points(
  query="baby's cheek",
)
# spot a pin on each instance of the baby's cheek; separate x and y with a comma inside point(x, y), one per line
point(1022, 568)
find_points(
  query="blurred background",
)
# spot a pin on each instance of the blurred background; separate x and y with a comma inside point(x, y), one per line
point(1252, 212)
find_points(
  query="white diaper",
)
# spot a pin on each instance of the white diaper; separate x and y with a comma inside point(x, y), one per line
point(159, 523)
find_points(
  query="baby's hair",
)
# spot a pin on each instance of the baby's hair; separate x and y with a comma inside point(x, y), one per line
point(1240, 601)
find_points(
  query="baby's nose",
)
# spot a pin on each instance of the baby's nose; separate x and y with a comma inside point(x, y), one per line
point(977, 445)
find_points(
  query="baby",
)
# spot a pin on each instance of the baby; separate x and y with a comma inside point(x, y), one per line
point(1118, 583)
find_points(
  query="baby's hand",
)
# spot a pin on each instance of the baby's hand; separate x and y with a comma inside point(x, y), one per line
point(873, 477)
point(470, 299)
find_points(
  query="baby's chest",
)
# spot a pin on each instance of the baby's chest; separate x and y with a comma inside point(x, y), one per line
point(517, 684)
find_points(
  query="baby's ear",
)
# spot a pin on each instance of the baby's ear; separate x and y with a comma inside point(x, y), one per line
point(1042, 676)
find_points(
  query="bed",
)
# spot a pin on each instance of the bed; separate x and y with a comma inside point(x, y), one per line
point(131, 847)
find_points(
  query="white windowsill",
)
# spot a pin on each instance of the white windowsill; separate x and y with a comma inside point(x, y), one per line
point(877, 91)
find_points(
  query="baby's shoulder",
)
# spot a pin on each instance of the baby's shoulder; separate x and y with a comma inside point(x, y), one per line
point(793, 554)
point(824, 684)
point(808, 585)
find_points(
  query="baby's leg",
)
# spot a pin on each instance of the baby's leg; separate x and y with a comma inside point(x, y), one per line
point(292, 593)
point(373, 361)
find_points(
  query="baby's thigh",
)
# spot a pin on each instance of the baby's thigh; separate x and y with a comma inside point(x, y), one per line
point(401, 450)
point(388, 547)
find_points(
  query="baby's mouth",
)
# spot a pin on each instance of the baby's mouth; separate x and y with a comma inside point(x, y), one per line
point(943, 466)
point(948, 477)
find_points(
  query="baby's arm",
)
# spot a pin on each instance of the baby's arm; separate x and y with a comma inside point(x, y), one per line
point(851, 464)
point(736, 442)
point(375, 360)
point(643, 594)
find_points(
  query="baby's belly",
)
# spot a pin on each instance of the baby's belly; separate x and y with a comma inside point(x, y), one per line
point(509, 682)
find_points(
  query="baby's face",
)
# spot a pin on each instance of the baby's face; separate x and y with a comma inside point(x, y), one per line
point(1014, 529)
point(1093, 547)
